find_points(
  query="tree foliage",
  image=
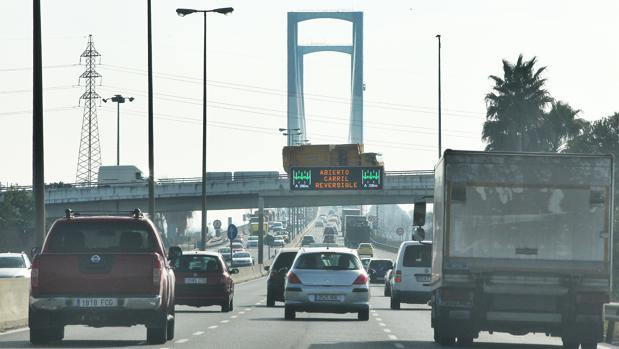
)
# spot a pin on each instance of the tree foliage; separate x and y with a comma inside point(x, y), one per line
point(516, 117)
point(16, 219)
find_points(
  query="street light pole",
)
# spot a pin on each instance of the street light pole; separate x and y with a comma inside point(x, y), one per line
point(183, 12)
point(438, 36)
point(118, 99)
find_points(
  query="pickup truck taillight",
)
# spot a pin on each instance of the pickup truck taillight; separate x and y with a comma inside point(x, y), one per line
point(157, 271)
point(34, 274)
point(398, 276)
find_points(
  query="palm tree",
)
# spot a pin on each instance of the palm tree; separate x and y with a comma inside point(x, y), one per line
point(560, 125)
point(515, 108)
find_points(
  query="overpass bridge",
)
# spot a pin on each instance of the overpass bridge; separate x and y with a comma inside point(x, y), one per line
point(184, 194)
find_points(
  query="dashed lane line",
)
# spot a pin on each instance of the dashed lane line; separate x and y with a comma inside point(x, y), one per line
point(241, 312)
point(233, 316)
point(212, 327)
point(181, 341)
point(387, 330)
point(199, 333)
point(382, 324)
point(392, 337)
point(225, 321)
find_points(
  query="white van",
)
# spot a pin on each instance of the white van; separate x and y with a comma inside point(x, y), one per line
point(411, 274)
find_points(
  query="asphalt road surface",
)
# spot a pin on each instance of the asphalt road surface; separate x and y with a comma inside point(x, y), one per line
point(253, 325)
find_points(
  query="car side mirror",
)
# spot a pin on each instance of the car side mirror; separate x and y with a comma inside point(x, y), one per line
point(234, 271)
point(174, 252)
point(34, 252)
point(267, 267)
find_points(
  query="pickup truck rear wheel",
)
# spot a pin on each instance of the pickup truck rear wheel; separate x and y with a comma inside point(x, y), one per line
point(270, 300)
point(158, 334)
point(227, 306)
point(395, 301)
point(46, 335)
point(289, 313)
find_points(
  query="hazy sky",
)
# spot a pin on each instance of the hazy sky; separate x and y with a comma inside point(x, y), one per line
point(576, 40)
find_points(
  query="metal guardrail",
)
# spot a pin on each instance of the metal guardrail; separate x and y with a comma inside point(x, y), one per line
point(611, 314)
point(197, 180)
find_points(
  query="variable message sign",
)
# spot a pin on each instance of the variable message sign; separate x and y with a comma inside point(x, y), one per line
point(336, 178)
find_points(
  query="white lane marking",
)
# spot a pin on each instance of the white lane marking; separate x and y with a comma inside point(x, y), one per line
point(247, 309)
point(373, 311)
point(181, 341)
point(392, 337)
point(258, 303)
point(225, 321)
point(241, 312)
point(14, 331)
point(233, 316)
point(213, 327)
point(379, 319)
point(374, 314)
point(382, 324)
point(398, 345)
point(387, 330)
point(198, 333)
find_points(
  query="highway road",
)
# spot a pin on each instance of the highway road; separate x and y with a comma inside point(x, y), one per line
point(253, 325)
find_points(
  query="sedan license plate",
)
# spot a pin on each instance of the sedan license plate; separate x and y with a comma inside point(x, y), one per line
point(195, 280)
point(327, 298)
point(96, 302)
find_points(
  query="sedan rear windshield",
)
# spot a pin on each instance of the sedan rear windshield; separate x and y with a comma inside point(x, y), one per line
point(12, 262)
point(380, 264)
point(418, 256)
point(197, 263)
point(327, 261)
point(102, 236)
point(284, 260)
point(241, 255)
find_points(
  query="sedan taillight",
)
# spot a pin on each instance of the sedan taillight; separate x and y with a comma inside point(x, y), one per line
point(361, 280)
point(293, 278)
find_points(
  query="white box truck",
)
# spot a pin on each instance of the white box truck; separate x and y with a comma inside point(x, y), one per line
point(123, 174)
point(522, 243)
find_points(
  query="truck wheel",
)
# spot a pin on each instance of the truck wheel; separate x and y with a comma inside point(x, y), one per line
point(158, 335)
point(270, 300)
point(289, 313)
point(46, 335)
point(442, 339)
point(363, 315)
point(588, 345)
point(225, 306)
point(395, 302)
point(570, 343)
point(465, 341)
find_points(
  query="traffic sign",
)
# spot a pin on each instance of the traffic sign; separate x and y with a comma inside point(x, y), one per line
point(232, 232)
point(400, 231)
point(217, 224)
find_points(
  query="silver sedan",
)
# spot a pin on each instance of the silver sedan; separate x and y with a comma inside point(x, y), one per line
point(327, 280)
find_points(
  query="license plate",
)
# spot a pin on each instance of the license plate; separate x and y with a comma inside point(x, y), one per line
point(96, 302)
point(195, 280)
point(423, 278)
point(327, 298)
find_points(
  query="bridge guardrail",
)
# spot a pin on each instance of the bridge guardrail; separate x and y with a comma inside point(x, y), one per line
point(197, 180)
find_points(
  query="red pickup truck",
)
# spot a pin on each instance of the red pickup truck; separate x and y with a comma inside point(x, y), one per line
point(101, 271)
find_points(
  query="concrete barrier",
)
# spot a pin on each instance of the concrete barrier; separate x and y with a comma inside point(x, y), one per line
point(14, 295)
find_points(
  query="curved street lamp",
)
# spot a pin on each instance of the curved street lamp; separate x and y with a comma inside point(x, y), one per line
point(182, 12)
point(118, 99)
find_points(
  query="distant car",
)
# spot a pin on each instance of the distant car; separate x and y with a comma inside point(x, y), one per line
point(242, 259)
point(277, 275)
point(366, 262)
point(225, 253)
point(279, 242)
point(327, 280)
point(387, 291)
point(237, 246)
point(378, 268)
point(282, 235)
point(319, 224)
point(365, 249)
point(203, 279)
point(14, 265)
point(251, 243)
point(307, 239)
point(328, 239)
point(330, 229)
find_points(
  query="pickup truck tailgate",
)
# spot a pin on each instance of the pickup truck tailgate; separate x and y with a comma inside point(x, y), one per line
point(96, 274)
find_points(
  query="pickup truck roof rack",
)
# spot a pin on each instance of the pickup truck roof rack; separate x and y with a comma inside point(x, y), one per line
point(135, 213)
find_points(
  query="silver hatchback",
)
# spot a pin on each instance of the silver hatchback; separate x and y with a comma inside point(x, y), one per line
point(327, 280)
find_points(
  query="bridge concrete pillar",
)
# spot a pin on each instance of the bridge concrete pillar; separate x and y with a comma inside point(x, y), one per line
point(176, 226)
